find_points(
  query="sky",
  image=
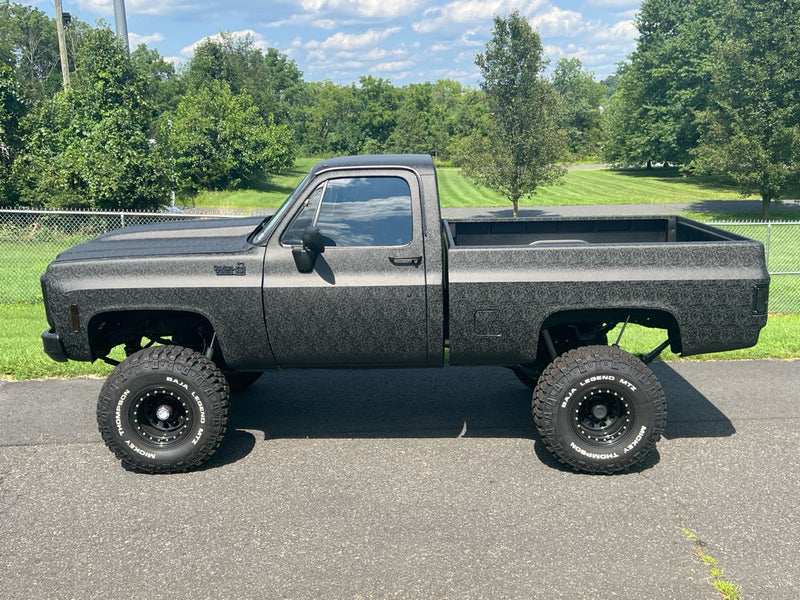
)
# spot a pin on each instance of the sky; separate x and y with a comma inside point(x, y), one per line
point(405, 41)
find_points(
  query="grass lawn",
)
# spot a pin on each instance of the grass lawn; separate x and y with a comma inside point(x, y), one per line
point(21, 354)
point(592, 186)
point(269, 194)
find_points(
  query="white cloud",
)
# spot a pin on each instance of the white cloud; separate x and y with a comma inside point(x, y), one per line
point(258, 40)
point(135, 39)
point(364, 8)
point(392, 66)
point(351, 41)
point(136, 7)
point(622, 31)
point(557, 22)
point(462, 12)
point(615, 3)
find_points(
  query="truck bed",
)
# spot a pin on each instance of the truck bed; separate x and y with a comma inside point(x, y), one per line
point(593, 230)
point(507, 278)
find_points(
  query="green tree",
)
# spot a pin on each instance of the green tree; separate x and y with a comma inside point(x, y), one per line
point(89, 147)
point(28, 44)
point(750, 131)
point(12, 111)
point(271, 79)
point(431, 117)
point(161, 86)
point(651, 115)
point(523, 140)
point(377, 117)
point(582, 98)
point(332, 123)
point(219, 140)
point(416, 127)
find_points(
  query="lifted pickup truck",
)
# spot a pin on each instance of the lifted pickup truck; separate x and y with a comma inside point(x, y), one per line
point(358, 269)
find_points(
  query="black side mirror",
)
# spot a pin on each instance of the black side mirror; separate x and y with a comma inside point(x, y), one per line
point(313, 245)
point(313, 240)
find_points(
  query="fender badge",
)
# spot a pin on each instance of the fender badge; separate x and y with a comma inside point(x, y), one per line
point(229, 270)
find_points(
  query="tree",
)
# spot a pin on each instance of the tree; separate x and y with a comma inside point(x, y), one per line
point(28, 44)
point(522, 141)
point(160, 84)
point(12, 110)
point(332, 120)
point(750, 131)
point(377, 117)
point(89, 147)
point(651, 115)
point(219, 140)
point(271, 79)
point(582, 98)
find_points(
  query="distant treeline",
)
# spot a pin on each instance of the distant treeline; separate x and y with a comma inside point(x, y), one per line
point(712, 85)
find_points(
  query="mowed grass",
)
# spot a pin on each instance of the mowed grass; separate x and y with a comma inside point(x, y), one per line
point(780, 339)
point(592, 186)
point(21, 353)
point(269, 194)
point(23, 264)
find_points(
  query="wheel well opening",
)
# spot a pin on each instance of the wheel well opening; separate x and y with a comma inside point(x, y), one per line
point(135, 330)
point(589, 324)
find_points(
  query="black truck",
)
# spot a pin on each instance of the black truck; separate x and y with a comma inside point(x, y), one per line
point(357, 269)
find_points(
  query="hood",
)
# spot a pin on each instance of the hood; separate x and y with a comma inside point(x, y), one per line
point(213, 236)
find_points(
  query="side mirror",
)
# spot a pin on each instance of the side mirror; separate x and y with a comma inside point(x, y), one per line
point(313, 240)
point(313, 245)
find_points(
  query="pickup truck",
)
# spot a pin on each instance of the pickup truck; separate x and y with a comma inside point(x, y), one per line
point(358, 269)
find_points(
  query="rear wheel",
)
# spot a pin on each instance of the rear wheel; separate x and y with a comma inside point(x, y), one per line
point(164, 409)
point(599, 409)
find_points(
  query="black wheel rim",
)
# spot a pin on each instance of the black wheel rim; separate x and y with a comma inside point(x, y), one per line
point(161, 416)
point(602, 416)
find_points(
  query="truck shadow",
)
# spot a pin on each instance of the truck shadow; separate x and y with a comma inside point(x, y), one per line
point(423, 403)
point(689, 413)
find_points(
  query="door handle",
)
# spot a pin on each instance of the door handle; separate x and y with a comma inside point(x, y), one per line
point(404, 261)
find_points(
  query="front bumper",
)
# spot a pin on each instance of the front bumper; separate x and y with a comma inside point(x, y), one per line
point(53, 346)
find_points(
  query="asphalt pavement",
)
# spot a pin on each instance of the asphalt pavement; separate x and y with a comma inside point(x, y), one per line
point(406, 484)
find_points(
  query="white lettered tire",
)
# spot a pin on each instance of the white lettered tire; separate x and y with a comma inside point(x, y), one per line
point(164, 409)
point(599, 409)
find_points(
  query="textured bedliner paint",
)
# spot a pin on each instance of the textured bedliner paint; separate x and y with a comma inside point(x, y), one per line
point(487, 287)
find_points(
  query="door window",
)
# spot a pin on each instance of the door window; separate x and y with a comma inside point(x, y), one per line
point(357, 211)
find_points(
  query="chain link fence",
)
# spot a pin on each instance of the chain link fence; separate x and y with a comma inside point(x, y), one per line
point(29, 240)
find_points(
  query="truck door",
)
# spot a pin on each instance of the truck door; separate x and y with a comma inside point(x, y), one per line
point(364, 303)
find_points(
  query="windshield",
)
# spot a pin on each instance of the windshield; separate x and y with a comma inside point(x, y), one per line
point(265, 227)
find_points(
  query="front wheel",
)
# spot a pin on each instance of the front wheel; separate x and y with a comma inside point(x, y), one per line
point(164, 409)
point(599, 409)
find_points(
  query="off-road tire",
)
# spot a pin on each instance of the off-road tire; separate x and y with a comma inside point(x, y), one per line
point(164, 409)
point(599, 409)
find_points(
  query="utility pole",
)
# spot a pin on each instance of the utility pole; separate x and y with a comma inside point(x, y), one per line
point(62, 45)
point(122, 23)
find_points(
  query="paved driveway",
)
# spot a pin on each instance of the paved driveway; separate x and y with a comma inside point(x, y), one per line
point(406, 484)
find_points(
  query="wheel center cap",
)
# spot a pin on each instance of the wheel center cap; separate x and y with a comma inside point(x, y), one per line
point(599, 411)
point(163, 412)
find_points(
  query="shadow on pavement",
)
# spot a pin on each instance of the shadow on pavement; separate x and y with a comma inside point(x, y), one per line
point(689, 413)
point(423, 403)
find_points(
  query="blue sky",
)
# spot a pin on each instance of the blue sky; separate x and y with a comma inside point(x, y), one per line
point(409, 41)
